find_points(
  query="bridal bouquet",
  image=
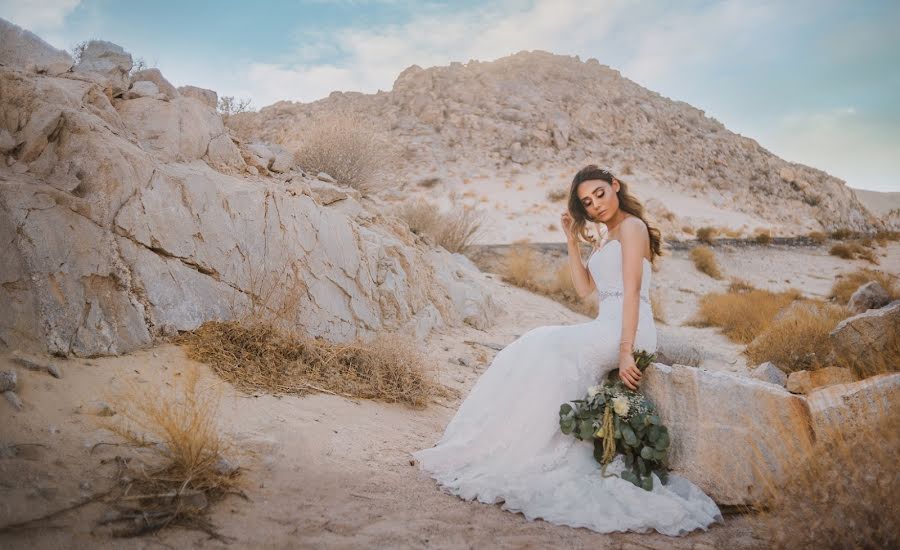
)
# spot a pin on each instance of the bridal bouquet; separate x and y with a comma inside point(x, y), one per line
point(621, 421)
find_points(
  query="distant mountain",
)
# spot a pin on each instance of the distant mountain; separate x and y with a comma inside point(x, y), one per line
point(536, 111)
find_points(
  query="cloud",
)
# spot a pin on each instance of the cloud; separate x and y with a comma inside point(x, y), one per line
point(38, 15)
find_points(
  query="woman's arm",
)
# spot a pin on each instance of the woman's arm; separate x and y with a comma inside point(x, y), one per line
point(635, 240)
point(581, 277)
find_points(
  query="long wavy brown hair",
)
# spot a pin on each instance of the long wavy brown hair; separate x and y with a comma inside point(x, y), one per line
point(627, 202)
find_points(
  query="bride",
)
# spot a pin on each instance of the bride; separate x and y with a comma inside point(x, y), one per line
point(504, 443)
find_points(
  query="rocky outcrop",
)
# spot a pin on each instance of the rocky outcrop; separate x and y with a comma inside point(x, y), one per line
point(107, 61)
point(733, 436)
point(208, 97)
point(535, 109)
point(123, 219)
point(869, 336)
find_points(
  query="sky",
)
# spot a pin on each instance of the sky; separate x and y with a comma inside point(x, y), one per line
point(813, 81)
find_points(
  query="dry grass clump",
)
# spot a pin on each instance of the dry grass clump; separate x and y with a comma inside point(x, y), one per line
point(842, 234)
point(688, 229)
point(705, 261)
point(428, 183)
point(846, 284)
point(798, 339)
point(455, 230)
point(852, 250)
point(707, 234)
point(846, 494)
point(181, 469)
point(817, 237)
point(523, 268)
point(346, 149)
point(763, 237)
point(743, 315)
point(557, 195)
point(260, 357)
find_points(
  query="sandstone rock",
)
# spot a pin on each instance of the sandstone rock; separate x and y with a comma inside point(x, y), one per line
point(223, 154)
point(869, 335)
point(869, 296)
point(13, 399)
point(768, 372)
point(7, 142)
point(282, 161)
point(156, 77)
point(143, 88)
point(805, 381)
point(329, 193)
point(107, 60)
point(729, 433)
point(208, 97)
point(21, 48)
point(855, 405)
point(173, 131)
point(322, 176)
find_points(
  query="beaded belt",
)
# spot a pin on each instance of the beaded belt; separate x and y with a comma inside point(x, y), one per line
point(607, 293)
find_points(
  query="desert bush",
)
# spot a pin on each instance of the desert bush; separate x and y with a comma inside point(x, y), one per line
point(798, 339)
point(456, 230)
point(182, 467)
point(841, 251)
point(742, 315)
point(852, 250)
point(707, 234)
point(739, 285)
point(428, 183)
point(817, 237)
point(763, 237)
point(229, 106)
point(348, 150)
point(842, 234)
point(260, 357)
point(705, 261)
point(843, 494)
point(557, 195)
point(522, 267)
point(845, 285)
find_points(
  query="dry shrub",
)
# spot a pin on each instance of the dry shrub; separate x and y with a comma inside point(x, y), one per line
point(688, 229)
point(742, 315)
point(817, 237)
point(705, 261)
point(739, 285)
point(182, 468)
point(523, 268)
point(428, 183)
point(763, 237)
point(557, 195)
point(846, 284)
point(456, 230)
point(845, 494)
point(798, 340)
point(852, 250)
point(260, 357)
point(707, 234)
point(884, 236)
point(842, 234)
point(347, 149)
point(841, 251)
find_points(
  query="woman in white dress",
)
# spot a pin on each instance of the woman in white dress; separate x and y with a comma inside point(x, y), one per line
point(504, 443)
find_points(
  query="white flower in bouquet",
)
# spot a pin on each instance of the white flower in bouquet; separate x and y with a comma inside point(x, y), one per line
point(594, 390)
point(620, 405)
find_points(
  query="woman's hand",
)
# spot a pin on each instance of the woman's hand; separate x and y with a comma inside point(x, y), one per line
point(566, 222)
point(628, 371)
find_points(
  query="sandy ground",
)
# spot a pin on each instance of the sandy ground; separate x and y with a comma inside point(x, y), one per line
point(325, 471)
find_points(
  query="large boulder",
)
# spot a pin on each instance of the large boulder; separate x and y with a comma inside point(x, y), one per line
point(869, 296)
point(25, 50)
point(153, 75)
point(869, 337)
point(733, 436)
point(858, 405)
point(207, 97)
point(109, 62)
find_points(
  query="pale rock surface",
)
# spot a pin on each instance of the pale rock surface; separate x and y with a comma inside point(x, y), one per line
point(869, 296)
point(768, 372)
point(729, 432)
point(156, 77)
point(143, 88)
point(805, 381)
point(855, 405)
point(208, 97)
point(24, 49)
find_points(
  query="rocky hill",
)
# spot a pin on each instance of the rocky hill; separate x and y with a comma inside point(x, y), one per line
point(538, 112)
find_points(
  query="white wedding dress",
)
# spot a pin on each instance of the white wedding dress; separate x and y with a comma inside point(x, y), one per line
point(504, 443)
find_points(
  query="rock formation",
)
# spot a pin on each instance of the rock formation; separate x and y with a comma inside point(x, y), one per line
point(127, 211)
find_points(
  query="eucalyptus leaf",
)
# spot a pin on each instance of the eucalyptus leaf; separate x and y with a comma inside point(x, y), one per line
point(647, 483)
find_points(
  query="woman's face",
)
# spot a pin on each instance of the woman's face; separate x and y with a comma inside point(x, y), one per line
point(599, 199)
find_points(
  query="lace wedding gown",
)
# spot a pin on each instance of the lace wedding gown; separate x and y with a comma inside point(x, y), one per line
point(504, 443)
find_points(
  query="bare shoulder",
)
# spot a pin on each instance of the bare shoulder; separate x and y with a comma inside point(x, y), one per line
point(634, 227)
